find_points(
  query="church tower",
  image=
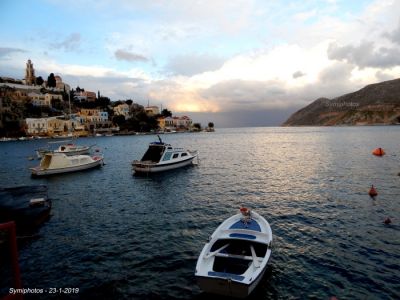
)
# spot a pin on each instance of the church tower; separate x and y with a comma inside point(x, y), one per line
point(29, 73)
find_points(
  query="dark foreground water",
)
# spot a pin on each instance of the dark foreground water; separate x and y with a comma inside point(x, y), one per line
point(118, 236)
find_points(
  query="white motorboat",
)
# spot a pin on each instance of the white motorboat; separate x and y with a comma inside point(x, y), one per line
point(234, 260)
point(72, 149)
point(68, 149)
point(162, 157)
point(56, 163)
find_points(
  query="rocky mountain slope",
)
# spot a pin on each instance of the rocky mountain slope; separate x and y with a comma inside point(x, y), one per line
point(377, 103)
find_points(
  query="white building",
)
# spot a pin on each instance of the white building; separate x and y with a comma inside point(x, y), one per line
point(37, 126)
point(122, 110)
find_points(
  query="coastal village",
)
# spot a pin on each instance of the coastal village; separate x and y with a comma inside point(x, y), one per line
point(34, 107)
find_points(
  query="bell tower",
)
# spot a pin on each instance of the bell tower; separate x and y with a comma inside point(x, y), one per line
point(29, 73)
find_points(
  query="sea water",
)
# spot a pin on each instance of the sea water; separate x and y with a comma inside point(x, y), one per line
point(113, 235)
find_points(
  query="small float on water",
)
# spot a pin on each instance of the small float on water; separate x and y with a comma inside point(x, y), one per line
point(233, 262)
point(372, 192)
point(378, 152)
point(162, 157)
point(57, 163)
point(27, 206)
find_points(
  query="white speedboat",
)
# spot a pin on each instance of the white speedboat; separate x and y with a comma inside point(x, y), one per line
point(162, 157)
point(56, 163)
point(234, 260)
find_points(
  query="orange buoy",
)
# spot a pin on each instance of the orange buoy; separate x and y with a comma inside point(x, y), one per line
point(378, 152)
point(372, 191)
point(387, 221)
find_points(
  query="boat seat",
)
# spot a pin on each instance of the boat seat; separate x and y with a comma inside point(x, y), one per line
point(226, 275)
point(245, 257)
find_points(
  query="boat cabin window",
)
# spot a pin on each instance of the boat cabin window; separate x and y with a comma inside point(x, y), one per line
point(167, 156)
point(175, 155)
point(153, 154)
point(183, 154)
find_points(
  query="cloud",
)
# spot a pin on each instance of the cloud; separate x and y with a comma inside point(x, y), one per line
point(246, 94)
point(6, 51)
point(306, 15)
point(298, 74)
point(383, 76)
point(129, 56)
point(365, 55)
point(394, 35)
point(70, 43)
point(192, 64)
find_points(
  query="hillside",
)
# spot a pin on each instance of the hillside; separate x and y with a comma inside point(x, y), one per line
point(377, 103)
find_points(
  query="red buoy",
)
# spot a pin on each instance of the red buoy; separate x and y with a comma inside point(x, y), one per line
point(387, 221)
point(372, 191)
point(378, 152)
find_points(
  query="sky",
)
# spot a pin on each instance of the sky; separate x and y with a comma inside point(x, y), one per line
point(233, 62)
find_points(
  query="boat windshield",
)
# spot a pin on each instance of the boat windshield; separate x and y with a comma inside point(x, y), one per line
point(154, 153)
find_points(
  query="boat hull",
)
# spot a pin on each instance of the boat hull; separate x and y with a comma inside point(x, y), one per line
point(154, 168)
point(16, 205)
point(45, 172)
point(226, 286)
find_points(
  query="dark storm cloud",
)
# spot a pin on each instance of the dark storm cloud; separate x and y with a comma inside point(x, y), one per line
point(5, 51)
point(129, 56)
point(193, 64)
point(365, 55)
point(70, 43)
point(247, 118)
point(245, 93)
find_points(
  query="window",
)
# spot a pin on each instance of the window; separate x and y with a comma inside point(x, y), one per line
point(167, 156)
point(183, 154)
point(175, 155)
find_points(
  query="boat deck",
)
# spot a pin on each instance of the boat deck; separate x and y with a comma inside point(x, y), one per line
point(249, 225)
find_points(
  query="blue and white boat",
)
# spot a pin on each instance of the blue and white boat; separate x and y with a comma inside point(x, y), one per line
point(234, 260)
point(162, 157)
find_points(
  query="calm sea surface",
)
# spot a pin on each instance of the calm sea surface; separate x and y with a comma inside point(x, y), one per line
point(118, 236)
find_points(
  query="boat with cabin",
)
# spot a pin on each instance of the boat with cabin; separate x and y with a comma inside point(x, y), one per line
point(27, 206)
point(161, 156)
point(56, 163)
point(235, 258)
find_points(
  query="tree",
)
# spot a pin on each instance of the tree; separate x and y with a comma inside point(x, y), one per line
point(51, 80)
point(211, 125)
point(119, 120)
point(129, 102)
point(166, 113)
point(39, 80)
